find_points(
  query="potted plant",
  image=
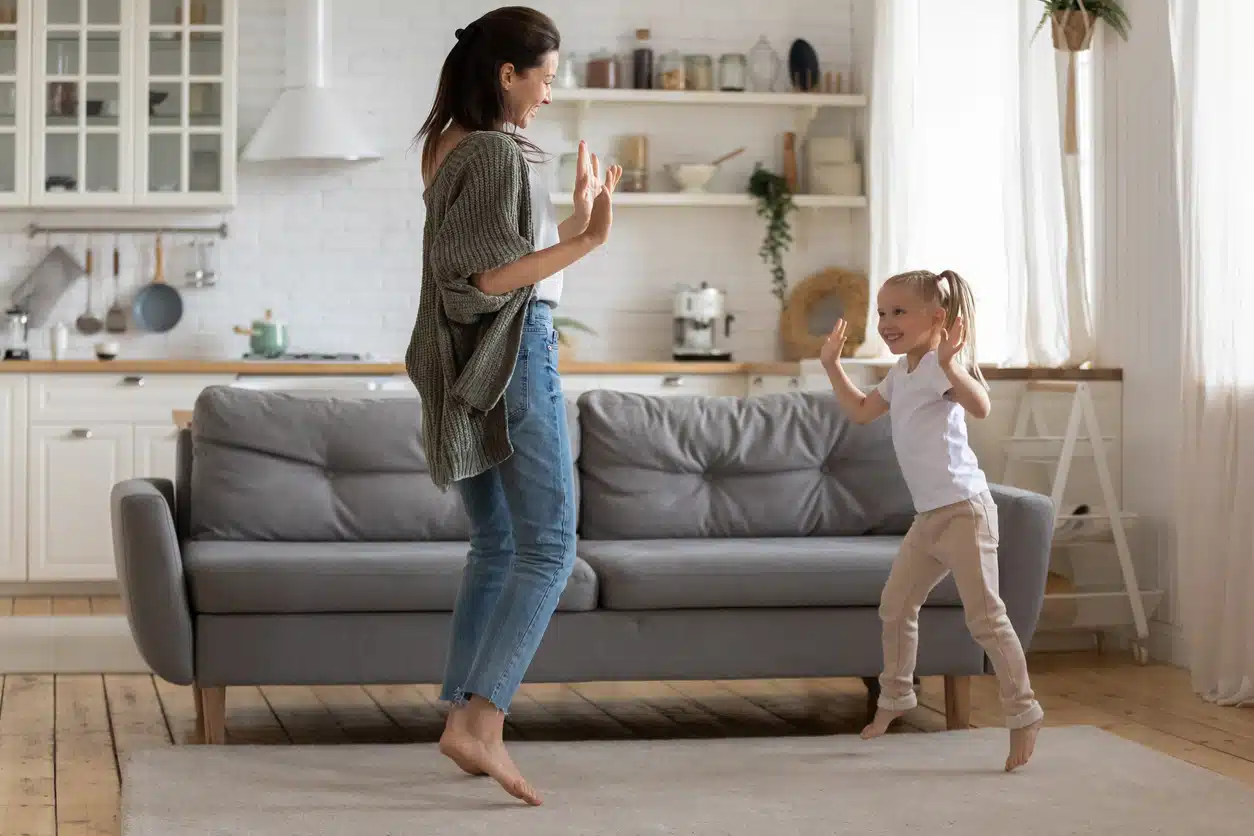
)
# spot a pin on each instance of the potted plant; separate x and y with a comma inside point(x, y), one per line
point(561, 324)
point(775, 203)
point(1073, 21)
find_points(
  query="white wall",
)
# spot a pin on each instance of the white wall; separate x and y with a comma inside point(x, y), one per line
point(336, 254)
point(1139, 281)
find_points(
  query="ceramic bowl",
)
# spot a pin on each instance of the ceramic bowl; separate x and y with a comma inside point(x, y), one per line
point(106, 350)
point(691, 177)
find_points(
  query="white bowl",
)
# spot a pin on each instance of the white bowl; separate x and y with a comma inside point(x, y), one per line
point(691, 177)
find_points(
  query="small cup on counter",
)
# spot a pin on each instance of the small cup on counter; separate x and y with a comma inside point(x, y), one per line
point(107, 350)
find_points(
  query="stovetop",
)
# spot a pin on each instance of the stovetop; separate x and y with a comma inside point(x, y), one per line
point(309, 357)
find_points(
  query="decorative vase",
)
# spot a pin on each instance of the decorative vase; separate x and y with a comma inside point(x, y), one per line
point(1073, 30)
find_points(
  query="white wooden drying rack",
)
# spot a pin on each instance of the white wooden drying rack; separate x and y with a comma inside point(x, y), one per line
point(1032, 443)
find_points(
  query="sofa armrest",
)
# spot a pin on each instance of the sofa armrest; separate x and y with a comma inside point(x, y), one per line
point(150, 571)
point(1026, 528)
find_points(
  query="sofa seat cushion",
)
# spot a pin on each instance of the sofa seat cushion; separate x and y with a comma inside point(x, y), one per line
point(227, 577)
point(769, 572)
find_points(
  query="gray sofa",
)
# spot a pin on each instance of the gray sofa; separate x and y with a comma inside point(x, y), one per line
point(720, 538)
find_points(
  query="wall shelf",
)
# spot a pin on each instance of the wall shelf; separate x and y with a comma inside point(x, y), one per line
point(726, 200)
point(587, 95)
point(806, 105)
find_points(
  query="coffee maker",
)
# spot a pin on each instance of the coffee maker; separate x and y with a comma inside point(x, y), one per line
point(17, 342)
point(698, 313)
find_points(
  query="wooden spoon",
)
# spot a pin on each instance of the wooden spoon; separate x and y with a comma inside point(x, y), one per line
point(727, 157)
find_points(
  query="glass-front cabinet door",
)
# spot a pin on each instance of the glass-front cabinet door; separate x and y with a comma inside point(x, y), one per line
point(186, 138)
point(14, 101)
point(81, 153)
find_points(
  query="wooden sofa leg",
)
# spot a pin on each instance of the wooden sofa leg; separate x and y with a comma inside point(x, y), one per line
point(200, 714)
point(957, 702)
point(211, 703)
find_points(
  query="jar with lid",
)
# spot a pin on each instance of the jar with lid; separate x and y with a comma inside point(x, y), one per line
point(567, 79)
point(671, 71)
point(764, 66)
point(698, 72)
point(642, 62)
point(731, 72)
point(601, 71)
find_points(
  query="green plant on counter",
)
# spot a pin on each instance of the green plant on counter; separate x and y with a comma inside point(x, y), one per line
point(775, 203)
point(562, 323)
point(1109, 11)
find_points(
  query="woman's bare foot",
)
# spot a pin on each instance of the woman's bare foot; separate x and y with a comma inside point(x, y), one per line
point(475, 743)
point(1022, 742)
point(883, 719)
point(455, 729)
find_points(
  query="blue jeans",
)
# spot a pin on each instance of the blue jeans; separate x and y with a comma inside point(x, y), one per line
point(522, 532)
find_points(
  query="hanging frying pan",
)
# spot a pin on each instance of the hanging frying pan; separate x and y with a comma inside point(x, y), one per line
point(158, 307)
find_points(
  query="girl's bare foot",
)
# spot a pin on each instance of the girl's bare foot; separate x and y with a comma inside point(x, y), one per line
point(475, 743)
point(1022, 742)
point(883, 719)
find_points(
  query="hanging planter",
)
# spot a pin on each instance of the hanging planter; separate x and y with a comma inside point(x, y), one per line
point(1072, 22)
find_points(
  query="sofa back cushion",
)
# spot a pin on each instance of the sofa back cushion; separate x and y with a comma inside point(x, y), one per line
point(281, 466)
point(656, 466)
point(269, 465)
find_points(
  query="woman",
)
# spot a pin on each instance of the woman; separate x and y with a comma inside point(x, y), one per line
point(483, 356)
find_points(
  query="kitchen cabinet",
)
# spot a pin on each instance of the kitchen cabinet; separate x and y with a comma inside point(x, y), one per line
point(88, 432)
point(657, 384)
point(119, 103)
point(768, 384)
point(73, 468)
point(12, 478)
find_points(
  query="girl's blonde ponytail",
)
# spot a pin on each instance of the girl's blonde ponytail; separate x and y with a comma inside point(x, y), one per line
point(958, 300)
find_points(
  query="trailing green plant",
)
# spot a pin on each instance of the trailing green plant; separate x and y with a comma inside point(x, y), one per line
point(775, 203)
point(1109, 11)
point(563, 323)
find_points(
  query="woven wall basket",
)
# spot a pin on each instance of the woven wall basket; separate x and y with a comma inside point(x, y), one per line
point(1073, 30)
point(852, 291)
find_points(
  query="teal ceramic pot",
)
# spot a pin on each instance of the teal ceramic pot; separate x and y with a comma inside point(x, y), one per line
point(267, 337)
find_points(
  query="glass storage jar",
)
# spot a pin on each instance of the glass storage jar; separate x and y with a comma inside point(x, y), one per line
point(671, 71)
point(731, 72)
point(698, 72)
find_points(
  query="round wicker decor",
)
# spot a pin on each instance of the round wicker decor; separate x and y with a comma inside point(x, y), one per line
point(853, 293)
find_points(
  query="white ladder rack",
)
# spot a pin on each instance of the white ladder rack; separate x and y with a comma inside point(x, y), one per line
point(1031, 443)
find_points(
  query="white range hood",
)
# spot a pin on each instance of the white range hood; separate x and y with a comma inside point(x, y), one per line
point(310, 120)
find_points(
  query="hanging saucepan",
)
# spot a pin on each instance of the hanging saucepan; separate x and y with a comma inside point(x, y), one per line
point(158, 306)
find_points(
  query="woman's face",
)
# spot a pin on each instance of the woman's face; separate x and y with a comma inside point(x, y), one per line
point(525, 91)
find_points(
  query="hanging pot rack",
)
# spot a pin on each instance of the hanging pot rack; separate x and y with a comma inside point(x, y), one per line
point(36, 229)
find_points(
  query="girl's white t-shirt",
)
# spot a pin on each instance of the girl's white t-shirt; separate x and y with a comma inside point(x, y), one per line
point(930, 435)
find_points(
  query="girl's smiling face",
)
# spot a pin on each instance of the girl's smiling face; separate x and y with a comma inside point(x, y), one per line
point(907, 322)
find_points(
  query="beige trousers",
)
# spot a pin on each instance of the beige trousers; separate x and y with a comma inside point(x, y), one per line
point(959, 538)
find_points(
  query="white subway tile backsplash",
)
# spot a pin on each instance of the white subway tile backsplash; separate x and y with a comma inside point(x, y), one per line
point(335, 251)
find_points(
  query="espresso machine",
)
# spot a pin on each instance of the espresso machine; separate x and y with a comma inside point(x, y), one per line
point(17, 331)
point(699, 313)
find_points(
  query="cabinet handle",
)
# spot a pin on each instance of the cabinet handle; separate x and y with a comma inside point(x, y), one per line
point(757, 381)
point(133, 380)
point(80, 433)
point(793, 382)
point(672, 381)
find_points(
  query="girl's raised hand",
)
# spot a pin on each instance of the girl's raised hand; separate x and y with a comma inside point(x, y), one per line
point(829, 354)
point(951, 342)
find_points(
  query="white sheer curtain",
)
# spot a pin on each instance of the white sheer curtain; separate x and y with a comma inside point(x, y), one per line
point(965, 171)
point(1214, 71)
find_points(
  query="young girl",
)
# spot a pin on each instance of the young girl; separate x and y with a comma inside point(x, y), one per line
point(928, 319)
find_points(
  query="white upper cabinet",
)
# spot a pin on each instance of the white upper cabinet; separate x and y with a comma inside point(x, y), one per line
point(122, 103)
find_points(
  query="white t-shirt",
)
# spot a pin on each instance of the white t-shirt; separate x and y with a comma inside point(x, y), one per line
point(544, 222)
point(930, 435)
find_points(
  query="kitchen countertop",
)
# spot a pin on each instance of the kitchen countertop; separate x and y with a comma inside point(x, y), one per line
point(570, 367)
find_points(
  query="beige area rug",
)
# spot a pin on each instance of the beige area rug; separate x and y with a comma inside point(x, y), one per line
point(1082, 781)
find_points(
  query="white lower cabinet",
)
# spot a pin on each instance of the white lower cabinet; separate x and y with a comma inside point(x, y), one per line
point(73, 468)
point(86, 433)
point(155, 450)
point(12, 477)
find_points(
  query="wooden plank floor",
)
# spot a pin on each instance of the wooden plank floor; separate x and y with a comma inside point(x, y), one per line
point(61, 737)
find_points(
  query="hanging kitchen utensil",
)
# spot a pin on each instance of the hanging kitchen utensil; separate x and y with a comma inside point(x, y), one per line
point(115, 319)
point(88, 322)
point(40, 291)
point(158, 307)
